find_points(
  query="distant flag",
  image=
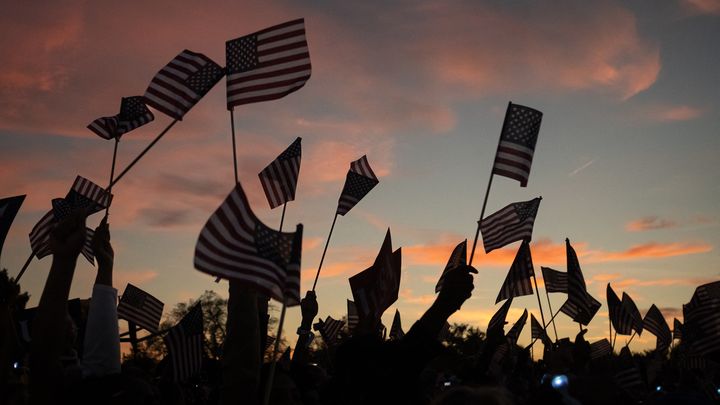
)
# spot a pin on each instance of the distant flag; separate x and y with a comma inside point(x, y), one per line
point(329, 330)
point(514, 333)
point(268, 64)
point(538, 332)
point(517, 143)
point(377, 287)
point(359, 181)
point(632, 309)
point(178, 86)
point(555, 281)
point(629, 379)
point(655, 323)
point(497, 322)
point(133, 114)
point(677, 329)
point(140, 308)
point(184, 343)
point(580, 305)
point(9, 207)
point(396, 332)
point(517, 282)
point(497, 360)
point(621, 320)
point(458, 257)
point(599, 349)
point(352, 317)
point(279, 178)
point(512, 223)
point(235, 244)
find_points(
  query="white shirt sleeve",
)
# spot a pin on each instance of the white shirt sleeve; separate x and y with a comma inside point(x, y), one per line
point(101, 349)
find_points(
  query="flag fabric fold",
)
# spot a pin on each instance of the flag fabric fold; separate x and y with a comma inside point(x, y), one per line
point(279, 178)
point(512, 223)
point(599, 349)
point(632, 309)
point(701, 330)
point(514, 155)
point(621, 320)
point(538, 332)
point(457, 258)
point(178, 86)
point(655, 323)
point(555, 281)
point(352, 316)
point(514, 333)
point(359, 181)
point(677, 329)
point(235, 244)
point(133, 114)
point(184, 343)
point(517, 282)
point(268, 64)
point(497, 322)
point(141, 308)
point(396, 332)
point(9, 208)
point(329, 330)
point(580, 305)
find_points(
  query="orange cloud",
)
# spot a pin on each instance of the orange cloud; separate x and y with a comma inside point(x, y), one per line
point(675, 113)
point(703, 6)
point(619, 282)
point(650, 223)
point(652, 250)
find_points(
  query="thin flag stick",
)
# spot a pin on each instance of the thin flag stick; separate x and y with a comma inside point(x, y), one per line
point(551, 311)
point(271, 376)
point(25, 266)
point(610, 331)
point(631, 339)
point(232, 126)
point(112, 173)
point(537, 294)
point(614, 340)
point(322, 258)
point(553, 317)
point(147, 148)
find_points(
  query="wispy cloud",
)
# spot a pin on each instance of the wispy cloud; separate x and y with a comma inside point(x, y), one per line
point(650, 223)
point(703, 6)
point(581, 168)
point(674, 113)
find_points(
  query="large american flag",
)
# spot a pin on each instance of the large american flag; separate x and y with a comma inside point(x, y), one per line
point(514, 333)
point(9, 207)
point(632, 309)
point(352, 316)
point(268, 64)
point(654, 322)
point(538, 332)
point(141, 308)
point(458, 257)
point(359, 181)
point(184, 343)
point(517, 143)
point(133, 114)
point(512, 223)
point(555, 281)
point(279, 178)
point(620, 318)
point(701, 331)
point(517, 282)
point(235, 244)
point(396, 332)
point(498, 320)
point(178, 86)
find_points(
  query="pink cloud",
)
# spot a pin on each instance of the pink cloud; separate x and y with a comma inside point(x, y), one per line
point(703, 6)
point(650, 223)
point(674, 113)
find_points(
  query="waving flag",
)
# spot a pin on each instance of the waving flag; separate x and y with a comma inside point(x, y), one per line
point(580, 305)
point(178, 86)
point(141, 308)
point(514, 334)
point(396, 331)
point(512, 223)
point(677, 329)
point(9, 207)
point(599, 349)
point(632, 309)
point(184, 343)
point(621, 320)
point(268, 64)
point(234, 244)
point(279, 178)
point(497, 322)
point(517, 143)
point(88, 195)
point(538, 332)
point(359, 181)
point(517, 282)
point(133, 114)
point(329, 330)
point(655, 323)
point(458, 257)
point(701, 330)
point(352, 316)
point(555, 281)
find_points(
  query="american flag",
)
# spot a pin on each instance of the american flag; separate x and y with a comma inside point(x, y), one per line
point(458, 257)
point(234, 244)
point(629, 379)
point(655, 323)
point(133, 114)
point(582, 314)
point(9, 207)
point(268, 64)
point(599, 349)
point(517, 143)
point(86, 194)
point(352, 317)
point(359, 181)
point(396, 332)
point(184, 343)
point(517, 282)
point(279, 178)
point(632, 309)
point(702, 320)
point(514, 333)
point(580, 305)
point(329, 330)
point(269, 341)
point(141, 308)
point(498, 320)
point(377, 287)
point(677, 329)
point(538, 332)
point(555, 281)
point(512, 223)
point(178, 86)
point(621, 320)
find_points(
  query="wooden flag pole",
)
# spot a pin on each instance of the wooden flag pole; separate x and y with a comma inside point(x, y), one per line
point(537, 294)
point(25, 266)
point(271, 374)
point(322, 258)
point(147, 148)
point(112, 173)
point(631, 339)
point(232, 127)
point(547, 295)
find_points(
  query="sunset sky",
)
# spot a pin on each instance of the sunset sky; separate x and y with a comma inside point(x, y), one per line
point(626, 161)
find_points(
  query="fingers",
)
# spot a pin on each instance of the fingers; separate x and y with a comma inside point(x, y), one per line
point(310, 294)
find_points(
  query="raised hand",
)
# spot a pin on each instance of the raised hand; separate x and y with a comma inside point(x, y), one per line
point(457, 288)
point(103, 253)
point(68, 237)
point(309, 309)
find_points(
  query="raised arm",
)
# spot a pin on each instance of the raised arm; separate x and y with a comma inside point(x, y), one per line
point(309, 309)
